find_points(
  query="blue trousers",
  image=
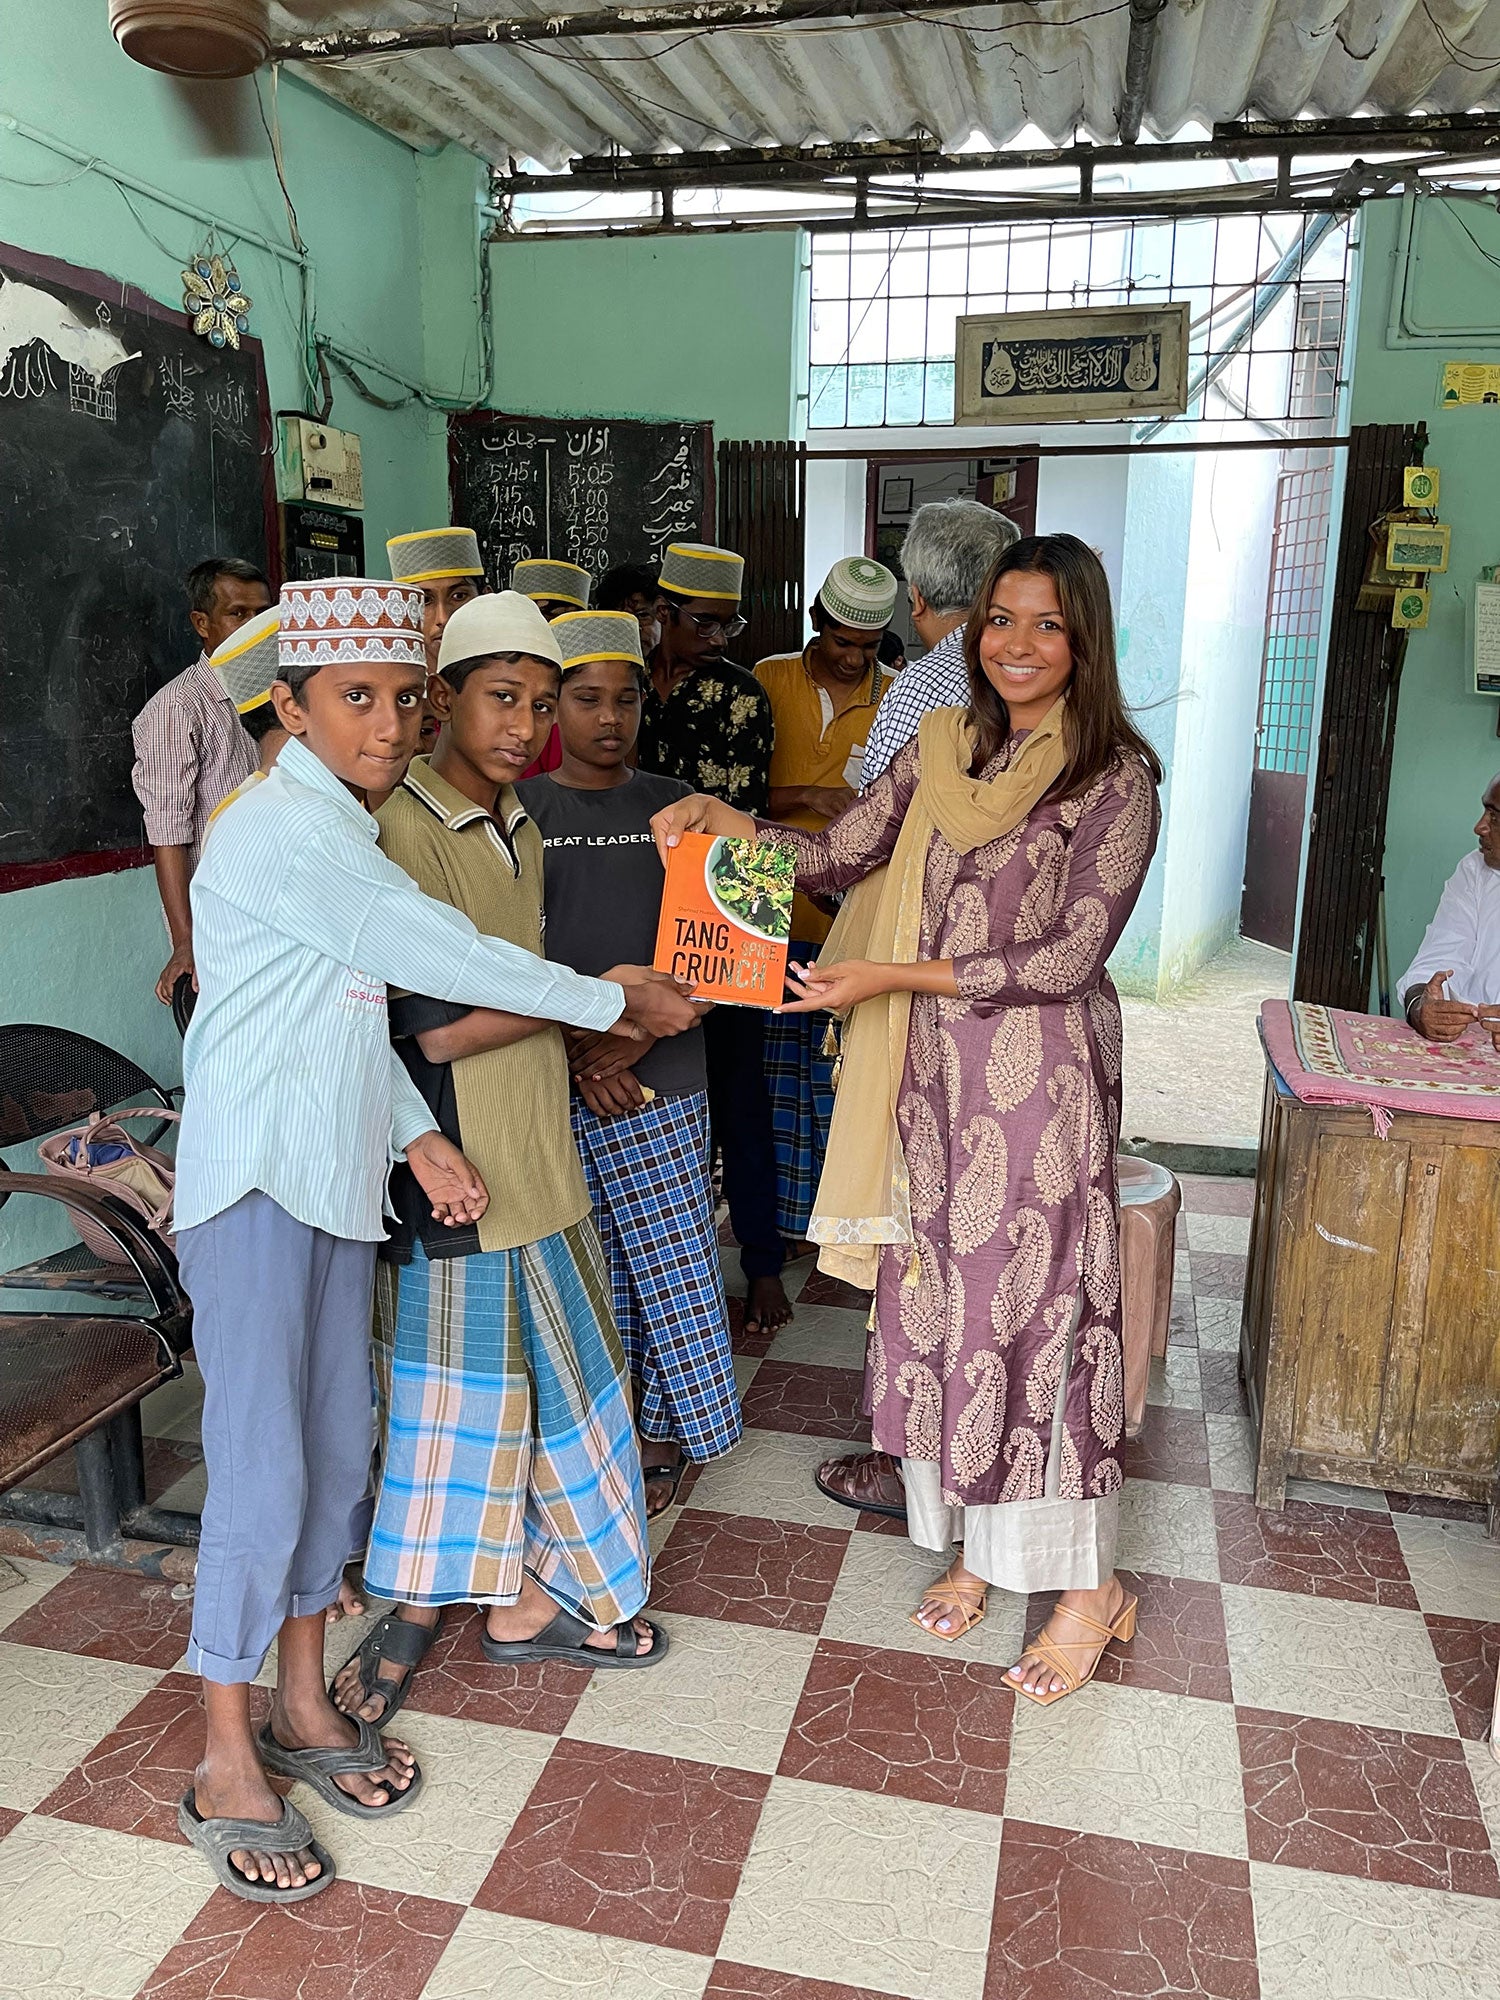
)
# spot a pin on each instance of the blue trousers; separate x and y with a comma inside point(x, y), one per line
point(281, 1329)
point(739, 1108)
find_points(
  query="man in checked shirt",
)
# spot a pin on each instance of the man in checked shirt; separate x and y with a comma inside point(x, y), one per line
point(191, 750)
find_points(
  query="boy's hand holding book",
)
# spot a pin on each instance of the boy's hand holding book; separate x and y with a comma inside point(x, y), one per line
point(447, 1179)
point(655, 1005)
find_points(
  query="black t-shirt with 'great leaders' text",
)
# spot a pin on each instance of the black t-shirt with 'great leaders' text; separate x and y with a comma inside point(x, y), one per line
point(602, 882)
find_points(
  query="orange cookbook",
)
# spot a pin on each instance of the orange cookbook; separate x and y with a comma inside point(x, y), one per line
point(726, 918)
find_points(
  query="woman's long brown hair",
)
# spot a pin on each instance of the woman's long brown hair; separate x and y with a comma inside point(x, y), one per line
point(1098, 727)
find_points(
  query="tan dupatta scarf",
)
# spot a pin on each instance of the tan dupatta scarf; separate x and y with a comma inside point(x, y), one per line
point(863, 1199)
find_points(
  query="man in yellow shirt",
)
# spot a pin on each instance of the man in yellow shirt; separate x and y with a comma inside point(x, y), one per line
point(823, 701)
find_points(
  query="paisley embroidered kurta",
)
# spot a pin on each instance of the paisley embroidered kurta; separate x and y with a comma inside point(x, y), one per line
point(1009, 1113)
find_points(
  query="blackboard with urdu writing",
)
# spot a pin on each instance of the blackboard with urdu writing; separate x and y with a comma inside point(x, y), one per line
point(130, 449)
point(596, 491)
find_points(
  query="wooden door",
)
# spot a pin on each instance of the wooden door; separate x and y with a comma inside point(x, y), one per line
point(762, 508)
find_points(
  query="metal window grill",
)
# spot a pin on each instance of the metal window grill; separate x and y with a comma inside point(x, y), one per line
point(1299, 545)
point(883, 308)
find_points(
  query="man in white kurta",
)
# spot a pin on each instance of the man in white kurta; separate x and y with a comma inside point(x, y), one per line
point(1454, 980)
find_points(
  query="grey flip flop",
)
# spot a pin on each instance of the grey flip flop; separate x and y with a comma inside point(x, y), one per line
point(319, 1768)
point(566, 1638)
point(217, 1839)
point(400, 1642)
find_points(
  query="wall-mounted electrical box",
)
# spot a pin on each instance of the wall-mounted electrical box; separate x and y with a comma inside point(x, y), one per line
point(317, 463)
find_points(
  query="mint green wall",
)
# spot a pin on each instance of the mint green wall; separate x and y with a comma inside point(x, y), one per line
point(692, 326)
point(1446, 750)
point(85, 954)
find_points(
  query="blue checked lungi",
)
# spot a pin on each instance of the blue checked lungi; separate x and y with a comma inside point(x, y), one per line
point(648, 1177)
point(799, 1078)
point(506, 1431)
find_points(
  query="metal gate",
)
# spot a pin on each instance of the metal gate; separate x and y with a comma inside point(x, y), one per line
point(1336, 950)
point(762, 508)
point(1288, 684)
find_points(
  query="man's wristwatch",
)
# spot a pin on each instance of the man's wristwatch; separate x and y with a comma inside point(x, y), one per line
point(1414, 1001)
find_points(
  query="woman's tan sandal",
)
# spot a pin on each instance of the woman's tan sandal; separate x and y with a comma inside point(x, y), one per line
point(1054, 1652)
point(947, 1599)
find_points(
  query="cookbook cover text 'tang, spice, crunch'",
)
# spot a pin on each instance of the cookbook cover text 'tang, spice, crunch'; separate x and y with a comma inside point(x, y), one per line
point(726, 918)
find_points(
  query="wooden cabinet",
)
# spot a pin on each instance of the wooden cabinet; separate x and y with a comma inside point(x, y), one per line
point(1370, 1342)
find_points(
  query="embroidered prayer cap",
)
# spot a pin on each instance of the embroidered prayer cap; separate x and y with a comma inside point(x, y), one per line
point(433, 555)
point(247, 662)
point(342, 620)
point(693, 569)
point(860, 593)
point(505, 622)
point(550, 582)
point(598, 635)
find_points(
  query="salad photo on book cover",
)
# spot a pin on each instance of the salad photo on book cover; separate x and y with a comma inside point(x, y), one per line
point(726, 918)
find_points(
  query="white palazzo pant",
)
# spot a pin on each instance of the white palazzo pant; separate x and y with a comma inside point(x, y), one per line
point(1020, 1545)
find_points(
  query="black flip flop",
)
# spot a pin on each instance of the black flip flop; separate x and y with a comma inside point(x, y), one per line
point(319, 1768)
point(401, 1641)
point(671, 1473)
point(566, 1638)
point(217, 1839)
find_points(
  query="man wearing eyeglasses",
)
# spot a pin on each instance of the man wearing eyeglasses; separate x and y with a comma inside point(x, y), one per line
point(1454, 980)
point(708, 723)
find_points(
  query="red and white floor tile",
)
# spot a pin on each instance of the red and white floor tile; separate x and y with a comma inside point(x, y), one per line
point(1280, 1789)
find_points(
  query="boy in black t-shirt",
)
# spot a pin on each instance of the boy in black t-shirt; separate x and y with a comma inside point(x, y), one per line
point(640, 1118)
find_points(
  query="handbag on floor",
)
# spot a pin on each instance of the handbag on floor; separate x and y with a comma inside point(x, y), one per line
point(102, 1155)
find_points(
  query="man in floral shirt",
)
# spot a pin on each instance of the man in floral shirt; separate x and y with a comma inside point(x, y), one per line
point(708, 723)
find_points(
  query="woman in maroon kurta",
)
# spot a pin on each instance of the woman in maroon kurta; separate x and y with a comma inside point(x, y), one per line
point(994, 1365)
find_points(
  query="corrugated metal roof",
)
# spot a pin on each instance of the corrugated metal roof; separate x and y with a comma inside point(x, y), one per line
point(977, 76)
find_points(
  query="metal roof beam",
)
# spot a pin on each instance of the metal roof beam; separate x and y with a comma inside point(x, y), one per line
point(1145, 24)
point(1467, 133)
point(623, 23)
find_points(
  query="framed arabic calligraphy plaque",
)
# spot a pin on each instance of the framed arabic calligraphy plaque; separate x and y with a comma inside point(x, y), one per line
point(1065, 367)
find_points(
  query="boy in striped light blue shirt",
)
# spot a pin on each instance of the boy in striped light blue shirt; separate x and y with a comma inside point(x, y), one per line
point(295, 1106)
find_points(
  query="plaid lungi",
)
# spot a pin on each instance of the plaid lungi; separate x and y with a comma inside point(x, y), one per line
point(507, 1442)
point(647, 1172)
point(799, 1078)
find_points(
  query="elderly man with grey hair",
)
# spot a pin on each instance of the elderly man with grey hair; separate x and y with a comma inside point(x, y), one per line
point(1454, 980)
point(946, 556)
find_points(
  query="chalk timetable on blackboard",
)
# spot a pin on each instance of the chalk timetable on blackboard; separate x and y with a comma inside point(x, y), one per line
point(596, 491)
point(129, 450)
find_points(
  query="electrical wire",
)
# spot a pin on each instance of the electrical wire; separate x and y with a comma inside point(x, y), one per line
point(1461, 58)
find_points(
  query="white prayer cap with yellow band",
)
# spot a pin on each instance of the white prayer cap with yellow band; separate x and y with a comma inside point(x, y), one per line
point(860, 593)
point(597, 635)
point(693, 569)
point(504, 622)
point(548, 581)
point(433, 555)
point(247, 662)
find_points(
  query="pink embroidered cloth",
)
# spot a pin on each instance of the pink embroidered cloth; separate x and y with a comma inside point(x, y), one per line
point(1327, 1056)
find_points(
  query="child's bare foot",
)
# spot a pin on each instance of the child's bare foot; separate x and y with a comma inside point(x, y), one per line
point(235, 1793)
point(534, 1610)
point(350, 1601)
point(767, 1307)
point(319, 1726)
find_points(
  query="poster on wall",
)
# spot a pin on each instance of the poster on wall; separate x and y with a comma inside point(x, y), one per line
point(1066, 367)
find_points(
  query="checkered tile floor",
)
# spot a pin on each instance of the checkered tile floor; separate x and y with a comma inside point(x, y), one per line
point(1279, 1790)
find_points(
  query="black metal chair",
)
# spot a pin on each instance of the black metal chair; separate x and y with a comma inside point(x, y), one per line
point(77, 1379)
point(49, 1078)
point(70, 1378)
